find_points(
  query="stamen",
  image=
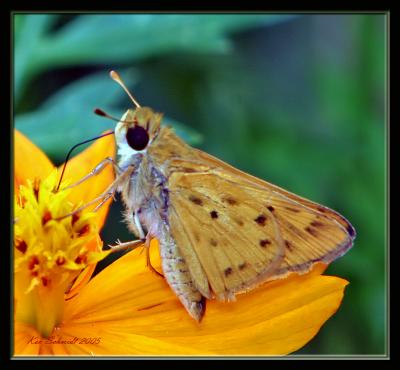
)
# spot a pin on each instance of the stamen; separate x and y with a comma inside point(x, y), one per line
point(36, 187)
point(49, 252)
point(75, 218)
point(60, 260)
point(45, 281)
point(81, 259)
point(85, 229)
point(21, 246)
point(32, 264)
point(46, 218)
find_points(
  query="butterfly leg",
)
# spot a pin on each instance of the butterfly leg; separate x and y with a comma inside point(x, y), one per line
point(138, 224)
point(108, 193)
point(127, 245)
point(148, 260)
point(147, 239)
point(106, 197)
point(100, 167)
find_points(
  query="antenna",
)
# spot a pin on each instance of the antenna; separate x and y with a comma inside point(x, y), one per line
point(70, 151)
point(115, 76)
point(101, 113)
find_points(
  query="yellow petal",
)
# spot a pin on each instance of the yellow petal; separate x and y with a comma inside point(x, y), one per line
point(86, 274)
point(127, 303)
point(29, 161)
point(82, 164)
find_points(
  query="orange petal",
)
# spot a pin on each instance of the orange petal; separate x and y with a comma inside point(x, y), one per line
point(128, 304)
point(83, 164)
point(29, 161)
point(112, 338)
point(26, 340)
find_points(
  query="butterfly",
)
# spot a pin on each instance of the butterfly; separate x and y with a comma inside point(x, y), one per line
point(221, 231)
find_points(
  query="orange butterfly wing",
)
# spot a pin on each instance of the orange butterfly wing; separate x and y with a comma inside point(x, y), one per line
point(236, 231)
point(236, 245)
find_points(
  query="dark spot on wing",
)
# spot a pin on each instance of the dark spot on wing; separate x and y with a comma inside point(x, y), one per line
point(196, 200)
point(292, 209)
point(230, 200)
point(321, 209)
point(214, 214)
point(311, 231)
point(242, 266)
point(316, 224)
point(196, 237)
point(213, 242)
point(228, 271)
point(289, 245)
point(239, 222)
point(264, 242)
point(272, 209)
point(295, 230)
point(261, 219)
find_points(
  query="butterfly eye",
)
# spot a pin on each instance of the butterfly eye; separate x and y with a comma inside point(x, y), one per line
point(137, 137)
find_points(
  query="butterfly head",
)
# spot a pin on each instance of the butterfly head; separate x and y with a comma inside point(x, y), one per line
point(137, 129)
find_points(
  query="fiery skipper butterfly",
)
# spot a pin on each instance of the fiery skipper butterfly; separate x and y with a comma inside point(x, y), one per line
point(221, 231)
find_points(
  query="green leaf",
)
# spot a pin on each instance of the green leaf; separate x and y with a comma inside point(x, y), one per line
point(123, 38)
point(67, 118)
point(95, 39)
point(29, 30)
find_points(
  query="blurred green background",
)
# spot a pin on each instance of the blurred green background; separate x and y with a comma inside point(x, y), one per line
point(298, 100)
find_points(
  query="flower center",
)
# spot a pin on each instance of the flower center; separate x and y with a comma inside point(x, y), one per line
point(50, 251)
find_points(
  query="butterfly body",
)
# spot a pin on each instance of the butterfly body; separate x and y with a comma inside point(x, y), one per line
point(220, 230)
point(146, 194)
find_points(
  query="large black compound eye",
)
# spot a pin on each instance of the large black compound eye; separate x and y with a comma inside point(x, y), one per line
point(137, 137)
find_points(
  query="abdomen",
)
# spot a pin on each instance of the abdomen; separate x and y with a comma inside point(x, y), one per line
point(178, 276)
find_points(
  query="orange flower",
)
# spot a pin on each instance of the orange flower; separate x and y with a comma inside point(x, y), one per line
point(127, 310)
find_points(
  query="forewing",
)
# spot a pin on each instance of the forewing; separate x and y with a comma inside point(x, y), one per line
point(245, 179)
point(257, 224)
point(310, 236)
point(233, 236)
